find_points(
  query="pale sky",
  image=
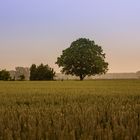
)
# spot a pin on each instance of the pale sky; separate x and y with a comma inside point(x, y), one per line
point(36, 31)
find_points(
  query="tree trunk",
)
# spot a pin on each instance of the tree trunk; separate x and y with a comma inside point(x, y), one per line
point(81, 77)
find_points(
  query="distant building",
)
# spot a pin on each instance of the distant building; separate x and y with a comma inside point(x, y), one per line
point(26, 72)
point(60, 76)
point(138, 74)
point(20, 71)
point(116, 76)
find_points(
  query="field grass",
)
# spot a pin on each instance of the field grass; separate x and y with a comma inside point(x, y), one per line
point(70, 110)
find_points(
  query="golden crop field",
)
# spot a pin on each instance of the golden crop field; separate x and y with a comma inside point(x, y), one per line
point(70, 110)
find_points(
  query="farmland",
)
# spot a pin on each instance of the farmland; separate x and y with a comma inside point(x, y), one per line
point(70, 110)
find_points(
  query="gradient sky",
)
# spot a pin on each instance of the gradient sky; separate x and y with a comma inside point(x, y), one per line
point(35, 31)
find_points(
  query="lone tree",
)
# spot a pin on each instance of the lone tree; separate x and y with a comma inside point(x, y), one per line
point(83, 58)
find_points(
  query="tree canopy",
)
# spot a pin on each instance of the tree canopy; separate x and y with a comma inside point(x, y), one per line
point(4, 75)
point(22, 77)
point(83, 58)
point(41, 72)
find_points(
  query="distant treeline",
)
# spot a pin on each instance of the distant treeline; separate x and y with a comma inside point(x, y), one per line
point(37, 73)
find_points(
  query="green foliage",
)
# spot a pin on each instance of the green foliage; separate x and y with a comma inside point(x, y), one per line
point(4, 75)
point(70, 110)
point(83, 58)
point(33, 71)
point(22, 77)
point(41, 72)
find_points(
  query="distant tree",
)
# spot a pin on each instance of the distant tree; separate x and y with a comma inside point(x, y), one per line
point(22, 71)
point(83, 58)
point(12, 78)
point(22, 77)
point(0, 75)
point(4, 75)
point(41, 72)
point(33, 72)
point(138, 74)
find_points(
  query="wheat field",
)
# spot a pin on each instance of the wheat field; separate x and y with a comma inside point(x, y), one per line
point(70, 110)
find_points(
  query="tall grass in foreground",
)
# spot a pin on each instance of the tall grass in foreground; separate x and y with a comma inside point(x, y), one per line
point(70, 110)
